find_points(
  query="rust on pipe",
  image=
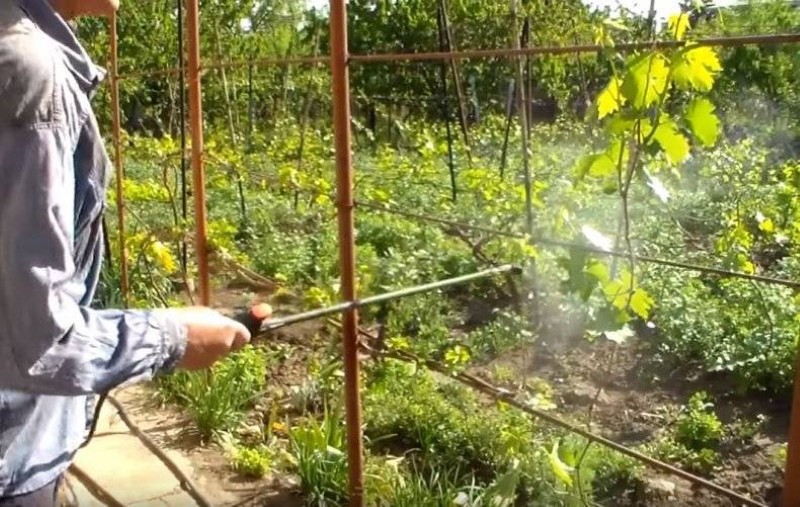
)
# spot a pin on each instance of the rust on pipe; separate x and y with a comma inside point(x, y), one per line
point(575, 49)
point(345, 205)
point(196, 127)
point(120, 173)
point(791, 482)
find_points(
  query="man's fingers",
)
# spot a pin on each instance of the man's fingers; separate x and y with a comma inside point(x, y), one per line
point(241, 336)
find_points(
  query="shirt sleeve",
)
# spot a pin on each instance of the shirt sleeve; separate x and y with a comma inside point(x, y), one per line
point(49, 343)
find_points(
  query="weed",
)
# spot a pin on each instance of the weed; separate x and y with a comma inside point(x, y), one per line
point(779, 458)
point(503, 374)
point(616, 475)
point(320, 388)
point(435, 487)
point(703, 461)
point(745, 430)
point(252, 461)
point(698, 427)
point(695, 439)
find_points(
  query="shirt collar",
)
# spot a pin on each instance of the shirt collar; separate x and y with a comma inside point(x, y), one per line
point(86, 72)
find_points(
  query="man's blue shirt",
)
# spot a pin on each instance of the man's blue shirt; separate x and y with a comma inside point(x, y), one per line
point(55, 351)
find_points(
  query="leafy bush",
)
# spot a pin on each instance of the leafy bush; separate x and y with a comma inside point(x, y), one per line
point(703, 461)
point(694, 441)
point(412, 408)
point(729, 325)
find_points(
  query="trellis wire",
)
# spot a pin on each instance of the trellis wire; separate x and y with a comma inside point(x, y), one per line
point(567, 245)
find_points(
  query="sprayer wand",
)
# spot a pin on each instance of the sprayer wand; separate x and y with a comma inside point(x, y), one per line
point(257, 322)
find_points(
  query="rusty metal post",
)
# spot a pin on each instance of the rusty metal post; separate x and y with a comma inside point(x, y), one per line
point(345, 205)
point(120, 173)
point(196, 127)
point(791, 481)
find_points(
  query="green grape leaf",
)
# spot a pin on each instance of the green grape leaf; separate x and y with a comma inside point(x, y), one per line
point(677, 24)
point(641, 303)
point(596, 165)
point(610, 99)
point(703, 121)
point(560, 469)
point(672, 141)
point(617, 291)
point(619, 125)
point(599, 270)
point(646, 80)
point(696, 68)
point(605, 163)
point(602, 166)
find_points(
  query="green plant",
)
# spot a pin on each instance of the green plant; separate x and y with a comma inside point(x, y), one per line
point(698, 427)
point(780, 455)
point(317, 447)
point(704, 461)
point(616, 476)
point(588, 471)
point(446, 424)
point(218, 398)
point(506, 331)
point(252, 461)
point(728, 326)
point(321, 387)
point(437, 486)
point(745, 429)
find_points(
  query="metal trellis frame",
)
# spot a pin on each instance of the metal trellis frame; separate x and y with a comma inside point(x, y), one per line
point(339, 60)
point(774, 39)
point(198, 172)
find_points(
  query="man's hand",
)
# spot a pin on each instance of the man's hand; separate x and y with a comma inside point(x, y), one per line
point(211, 336)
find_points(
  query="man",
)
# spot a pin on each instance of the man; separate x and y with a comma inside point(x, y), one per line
point(55, 351)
